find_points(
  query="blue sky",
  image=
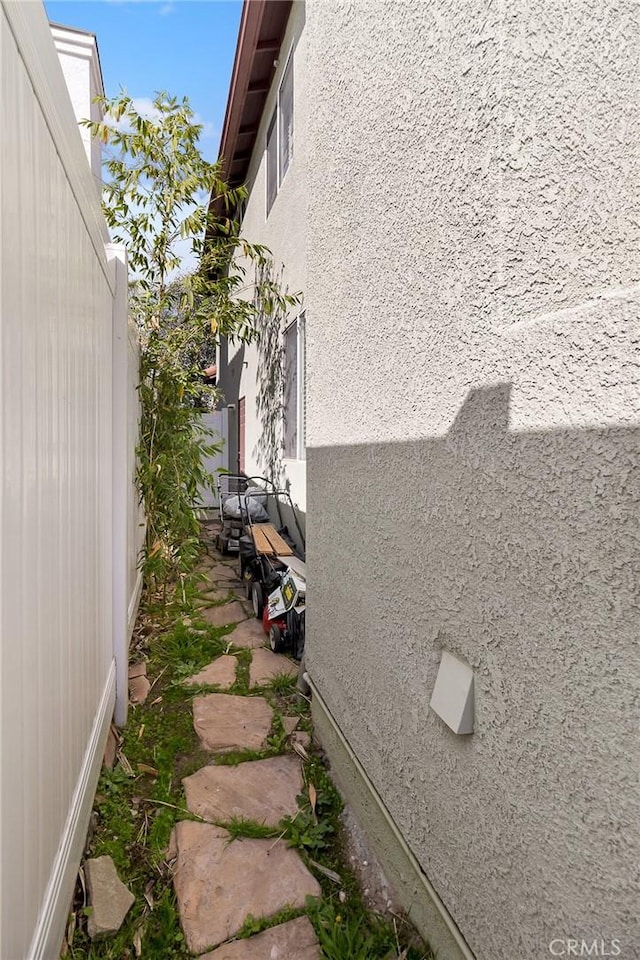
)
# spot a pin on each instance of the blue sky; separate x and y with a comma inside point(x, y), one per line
point(185, 47)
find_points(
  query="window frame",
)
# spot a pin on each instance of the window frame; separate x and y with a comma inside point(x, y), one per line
point(274, 122)
point(301, 394)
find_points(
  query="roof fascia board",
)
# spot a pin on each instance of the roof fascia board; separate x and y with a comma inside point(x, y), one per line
point(250, 23)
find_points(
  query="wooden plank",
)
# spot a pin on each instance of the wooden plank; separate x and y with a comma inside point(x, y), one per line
point(298, 566)
point(262, 545)
point(268, 541)
point(278, 545)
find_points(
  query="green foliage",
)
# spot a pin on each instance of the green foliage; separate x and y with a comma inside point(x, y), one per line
point(253, 925)
point(307, 833)
point(242, 827)
point(157, 196)
point(342, 937)
point(283, 683)
point(347, 932)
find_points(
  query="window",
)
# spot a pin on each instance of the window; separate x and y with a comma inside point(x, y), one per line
point(285, 109)
point(294, 390)
point(280, 135)
point(272, 161)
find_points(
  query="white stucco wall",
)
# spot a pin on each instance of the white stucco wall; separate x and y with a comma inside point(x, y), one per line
point(284, 232)
point(472, 292)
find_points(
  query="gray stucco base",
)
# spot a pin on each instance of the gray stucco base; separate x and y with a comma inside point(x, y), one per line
point(411, 886)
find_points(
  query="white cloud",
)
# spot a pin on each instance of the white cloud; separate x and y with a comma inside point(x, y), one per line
point(209, 130)
point(144, 106)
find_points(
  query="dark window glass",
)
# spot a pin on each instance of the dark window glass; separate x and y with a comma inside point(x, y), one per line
point(272, 162)
point(291, 392)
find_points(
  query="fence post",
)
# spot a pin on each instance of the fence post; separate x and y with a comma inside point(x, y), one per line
point(117, 256)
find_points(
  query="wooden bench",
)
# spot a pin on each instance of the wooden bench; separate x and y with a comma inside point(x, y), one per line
point(268, 541)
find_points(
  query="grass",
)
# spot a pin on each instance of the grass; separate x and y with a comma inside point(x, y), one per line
point(138, 803)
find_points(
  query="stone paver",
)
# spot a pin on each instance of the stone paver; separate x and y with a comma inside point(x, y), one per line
point(218, 883)
point(110, 750)
point(223, 572)
point(226, 722)
point(265, 665)
point(204, 586)
point(302, 738)
point(212, 596)
point(222, 616)
point(109, 899)
point(289, 724)
point(138, 670)
point(221, 673)
point(248, 635)
point(139, 688)
point(295, 940)
point(261, 790)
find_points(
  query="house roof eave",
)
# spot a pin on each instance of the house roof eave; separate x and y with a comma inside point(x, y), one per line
point(262, 27)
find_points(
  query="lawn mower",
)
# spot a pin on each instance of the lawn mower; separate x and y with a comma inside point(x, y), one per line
point(283, 616)
point(274, 574)
point(233, 490)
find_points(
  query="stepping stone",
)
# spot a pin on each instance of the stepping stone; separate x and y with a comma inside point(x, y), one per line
point(214, 595)
point(110, 750)
point(248, 635)
point(222, 673)
point(240, 594)
point(225, 722)
point(221, 571)
point(109, 899)
point(138, 670)
point(295, 940)
point(212, 526)
point(261, 790)
point(265, 665)
point(204, 586)
point(302, 738)
point(139, 689)
point(289, 724)
point(227, 613)
point(218, 883)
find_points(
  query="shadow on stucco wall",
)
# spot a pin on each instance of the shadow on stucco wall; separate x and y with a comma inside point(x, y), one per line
point(517, 552)
point(270, 378)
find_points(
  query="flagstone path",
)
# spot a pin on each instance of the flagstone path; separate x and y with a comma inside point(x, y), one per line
point(220, 881)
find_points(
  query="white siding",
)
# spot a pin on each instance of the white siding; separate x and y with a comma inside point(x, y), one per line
point(56, 670)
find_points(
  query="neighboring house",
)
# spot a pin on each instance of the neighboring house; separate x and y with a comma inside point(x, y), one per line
point(80, 61)
point(69, 523)
point(461, 208)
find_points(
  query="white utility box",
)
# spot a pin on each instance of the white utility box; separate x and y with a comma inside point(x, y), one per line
point(452, 697)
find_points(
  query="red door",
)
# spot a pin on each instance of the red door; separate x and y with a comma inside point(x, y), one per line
point(241, 435)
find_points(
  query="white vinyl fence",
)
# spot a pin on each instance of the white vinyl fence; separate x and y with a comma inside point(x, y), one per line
point(218, 423)
point(69, 521)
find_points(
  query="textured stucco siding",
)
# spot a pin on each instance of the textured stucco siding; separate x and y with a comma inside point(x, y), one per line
point(473, 288)
point(284, 232)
